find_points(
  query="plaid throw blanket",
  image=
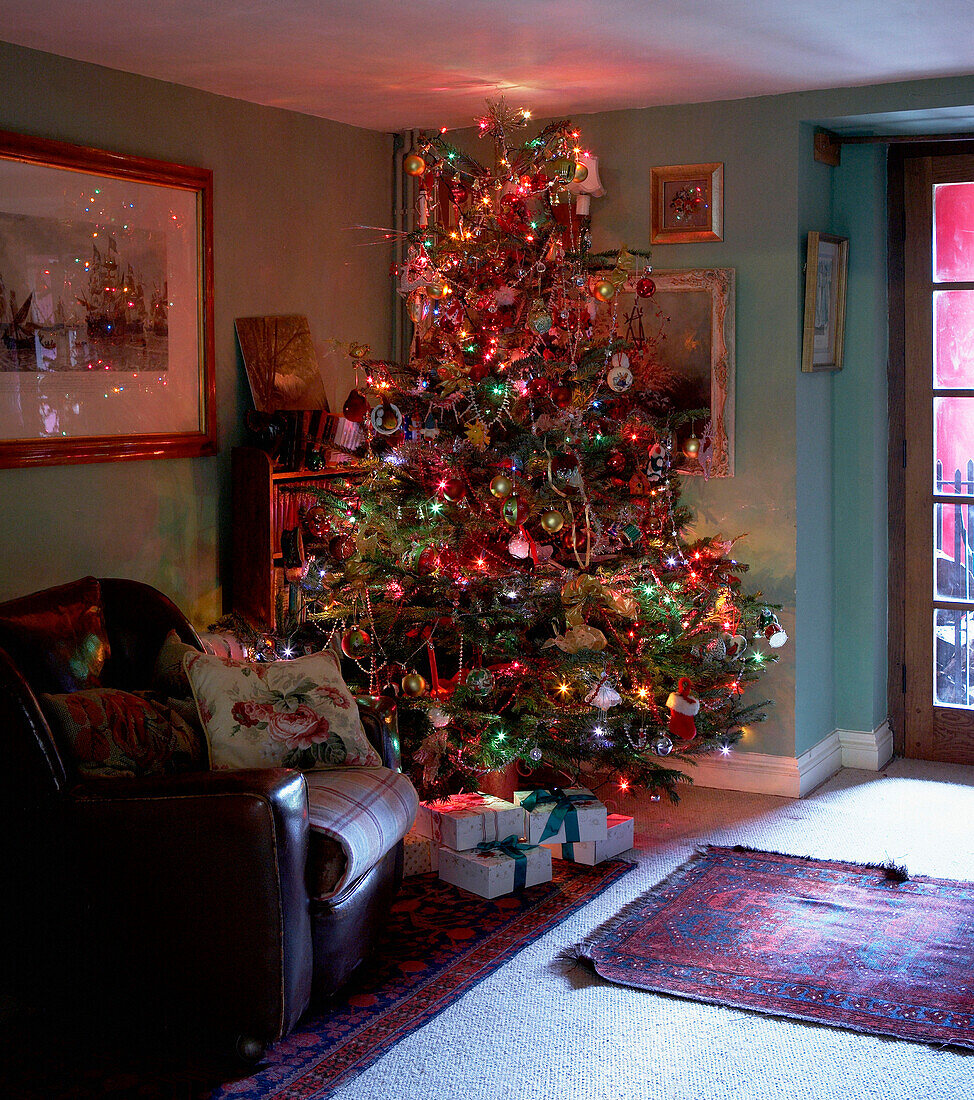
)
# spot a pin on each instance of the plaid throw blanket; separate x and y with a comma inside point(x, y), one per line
point(365, 810)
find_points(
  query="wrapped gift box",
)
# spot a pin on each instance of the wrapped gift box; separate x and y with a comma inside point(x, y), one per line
point(565, 815)
point(420, 855)
point(495, 871)
point(463, 821)
point(620, 839)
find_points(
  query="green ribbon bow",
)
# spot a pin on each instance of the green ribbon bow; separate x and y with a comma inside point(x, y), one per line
point(563, 812)
point(511, 846)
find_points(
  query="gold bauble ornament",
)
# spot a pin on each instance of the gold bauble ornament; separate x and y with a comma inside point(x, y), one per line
point(413, 685)
point(604, 290)
point(552, 522)
point(502, 486)
point(413, 164)
point(436, 290)
point(691, 448)
point(581, 173)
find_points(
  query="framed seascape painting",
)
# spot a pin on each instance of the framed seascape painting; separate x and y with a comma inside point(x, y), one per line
point(106, 306)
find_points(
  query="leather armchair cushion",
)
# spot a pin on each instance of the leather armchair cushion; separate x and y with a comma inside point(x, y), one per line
point(57, 638)
point(121, 733)
point(357, 815)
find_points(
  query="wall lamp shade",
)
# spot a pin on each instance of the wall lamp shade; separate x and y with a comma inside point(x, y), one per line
point(588, 188)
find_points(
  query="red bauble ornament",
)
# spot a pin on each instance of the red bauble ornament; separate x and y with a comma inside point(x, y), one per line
point(564, 465)
point(616, 461)
point(478, 372)
point(538, 387)
point(645, 288)
point(316, 522)
point(428, 561)
point(454, 490)
point(342, 547)
point(356, 407)
point(356, 643)
point(574, 539)
point(562, 396)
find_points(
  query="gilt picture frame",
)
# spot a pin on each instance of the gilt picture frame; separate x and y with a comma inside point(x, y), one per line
point(823, 329)
point(687, 203)
point(682, 346)
point(106, 306)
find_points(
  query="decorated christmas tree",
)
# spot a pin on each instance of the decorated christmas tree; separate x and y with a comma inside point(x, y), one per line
point(512, 559)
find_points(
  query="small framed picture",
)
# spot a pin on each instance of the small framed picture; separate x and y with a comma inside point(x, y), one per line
point(823, 334)
point(687, 203)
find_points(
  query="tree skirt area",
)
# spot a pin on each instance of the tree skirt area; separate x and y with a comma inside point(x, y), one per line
point(439, 943)
point(837, 943)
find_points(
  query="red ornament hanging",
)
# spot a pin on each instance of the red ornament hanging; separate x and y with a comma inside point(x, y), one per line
point(356, 407)
point(342, 547)
point(645, 288)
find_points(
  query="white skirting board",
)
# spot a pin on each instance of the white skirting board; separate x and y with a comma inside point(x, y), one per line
point(795, 776)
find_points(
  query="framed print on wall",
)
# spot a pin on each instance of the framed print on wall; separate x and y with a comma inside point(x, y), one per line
point(106, 306)
point(823, 332)
point(687, 203)
point(681, 346)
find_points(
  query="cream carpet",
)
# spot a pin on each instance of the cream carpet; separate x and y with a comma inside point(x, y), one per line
point(531, 1032)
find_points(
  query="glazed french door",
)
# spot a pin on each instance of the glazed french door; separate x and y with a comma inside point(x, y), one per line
point(938, 457)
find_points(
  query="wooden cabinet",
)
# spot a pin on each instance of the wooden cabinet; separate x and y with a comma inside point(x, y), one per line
point(266, 501)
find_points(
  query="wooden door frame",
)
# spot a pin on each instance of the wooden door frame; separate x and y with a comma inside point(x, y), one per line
point(896, 382)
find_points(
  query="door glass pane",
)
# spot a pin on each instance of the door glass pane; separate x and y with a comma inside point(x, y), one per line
point(953, 236)
point(953, 339)
point(953, 445)
point(952, 658)
point(952, 559)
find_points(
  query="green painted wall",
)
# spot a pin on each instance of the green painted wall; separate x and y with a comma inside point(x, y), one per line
point(859, 445)
point(287, 189)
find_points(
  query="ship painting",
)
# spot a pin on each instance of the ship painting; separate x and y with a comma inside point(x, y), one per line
point(106, 312)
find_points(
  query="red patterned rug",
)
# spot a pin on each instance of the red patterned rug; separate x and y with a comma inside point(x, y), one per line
point(833, 943)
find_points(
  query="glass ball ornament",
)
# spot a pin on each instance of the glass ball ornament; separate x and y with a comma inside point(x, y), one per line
point(439, 719)
point(386, 419)
point(645, 288)
point(662, 746)
point(356, 407)
point(501, 486)
point(454, 490)
point(552, 521)
point(356, 643)
point(413, 164)
point(535, 754)
point(515, 512)
point(436, 290)
point(342, 547)
point(691, 447)
point(480, 681)
point(316, 522)
point(604, 290)
point(413, 685)
point(561, 397)
point(581, 173)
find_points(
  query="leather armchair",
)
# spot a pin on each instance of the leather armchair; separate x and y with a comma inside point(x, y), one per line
point(183, 895)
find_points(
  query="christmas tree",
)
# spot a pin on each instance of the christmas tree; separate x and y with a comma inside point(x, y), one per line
point(512, 561)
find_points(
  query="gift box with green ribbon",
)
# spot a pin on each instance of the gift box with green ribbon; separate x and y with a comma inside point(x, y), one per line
point(464, 820)
point(620, 839)
point(496, 867)
point(562, 815)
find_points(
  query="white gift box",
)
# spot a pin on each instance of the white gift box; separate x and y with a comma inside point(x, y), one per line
point(620, 839)
point(586, 820)
point(420, 855)
point(494, 873)
point(464, 820)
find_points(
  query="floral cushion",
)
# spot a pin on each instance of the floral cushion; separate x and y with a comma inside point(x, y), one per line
point(292, 714)
point(120, 733)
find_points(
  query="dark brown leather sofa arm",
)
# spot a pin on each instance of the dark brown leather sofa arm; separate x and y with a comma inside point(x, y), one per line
point(211, 865)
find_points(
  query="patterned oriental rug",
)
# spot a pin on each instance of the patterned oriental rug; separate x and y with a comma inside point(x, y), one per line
point(440, 942)
point(835, 943)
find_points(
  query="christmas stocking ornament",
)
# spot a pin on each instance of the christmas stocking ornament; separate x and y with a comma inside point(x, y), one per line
point(683, 709)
